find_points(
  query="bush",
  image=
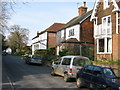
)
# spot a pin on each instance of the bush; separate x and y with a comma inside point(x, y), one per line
point(19, 53)
point(42, 52)
point(65, 52)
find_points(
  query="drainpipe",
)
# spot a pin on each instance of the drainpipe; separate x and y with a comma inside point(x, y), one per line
point(80, 41)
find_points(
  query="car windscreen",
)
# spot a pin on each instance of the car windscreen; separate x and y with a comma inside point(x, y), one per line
point(80, 61)
point(36, 57)
point(109, 73)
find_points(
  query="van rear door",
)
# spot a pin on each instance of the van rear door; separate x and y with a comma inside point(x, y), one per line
point(78, 63)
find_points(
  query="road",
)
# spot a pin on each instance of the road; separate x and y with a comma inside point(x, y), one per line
point(17, 74)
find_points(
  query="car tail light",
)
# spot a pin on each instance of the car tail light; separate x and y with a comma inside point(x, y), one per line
point(70, 70)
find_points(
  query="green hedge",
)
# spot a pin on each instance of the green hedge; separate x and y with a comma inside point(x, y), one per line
point(65, 52)
point(18, 53)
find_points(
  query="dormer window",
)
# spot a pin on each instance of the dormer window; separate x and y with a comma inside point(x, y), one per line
point(106, 4)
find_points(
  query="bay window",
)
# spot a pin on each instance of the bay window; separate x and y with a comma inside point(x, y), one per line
point(104, 45)
point(106, 25)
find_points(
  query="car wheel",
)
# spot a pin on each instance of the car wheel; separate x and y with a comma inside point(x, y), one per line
point(66, 78)
point(52, 72)
point(79, 83)
point(109, 88)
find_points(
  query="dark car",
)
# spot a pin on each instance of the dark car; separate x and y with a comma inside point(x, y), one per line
point(97, 77)
point(33, 59)
point(4, 53)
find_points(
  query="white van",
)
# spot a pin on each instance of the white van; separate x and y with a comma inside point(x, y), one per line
point(68, 66)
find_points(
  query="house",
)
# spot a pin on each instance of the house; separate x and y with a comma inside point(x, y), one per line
point(106, 18)
point(77, 34)
point(9, 50)
point(47, 38)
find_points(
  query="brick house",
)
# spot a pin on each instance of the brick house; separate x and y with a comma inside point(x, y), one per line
point(47, 38)
point(106, 18)
point(77, 34)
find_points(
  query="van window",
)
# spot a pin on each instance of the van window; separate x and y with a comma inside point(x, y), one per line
point(66, 61)
point(80, 61)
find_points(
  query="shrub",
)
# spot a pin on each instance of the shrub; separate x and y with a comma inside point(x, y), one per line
point(65, 52)
point(19, 53)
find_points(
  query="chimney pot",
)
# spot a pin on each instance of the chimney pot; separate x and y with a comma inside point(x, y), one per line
point(82, 10)
point(84, 4)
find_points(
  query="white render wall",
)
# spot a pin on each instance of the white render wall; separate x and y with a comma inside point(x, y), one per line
point(43, 41)
point(40, 42)
point(76, 32)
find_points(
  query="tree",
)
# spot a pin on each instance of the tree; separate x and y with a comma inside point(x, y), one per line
point(4, 42)
point(6, 7)
point(4, 15)
point(18, 38)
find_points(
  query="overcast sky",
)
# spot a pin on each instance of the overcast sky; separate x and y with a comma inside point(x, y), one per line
point(37, 16)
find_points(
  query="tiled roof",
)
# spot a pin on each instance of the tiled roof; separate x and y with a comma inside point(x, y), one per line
point(76, 20)
point(53, 28)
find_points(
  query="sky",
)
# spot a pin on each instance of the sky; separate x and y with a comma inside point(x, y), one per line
point(39, 15)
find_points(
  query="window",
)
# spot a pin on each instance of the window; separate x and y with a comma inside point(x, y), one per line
point(97, 71)
point(80, 61)
point(109, 73)
point(88, 69)
point(104, 45)
point(106, 25)
point(106, 4)
point(66, 61)
point(109, 21)
point(71, 32)
point(109, 45)
point(101, 45)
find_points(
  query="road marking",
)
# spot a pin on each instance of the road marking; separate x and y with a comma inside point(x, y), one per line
point(12, 84)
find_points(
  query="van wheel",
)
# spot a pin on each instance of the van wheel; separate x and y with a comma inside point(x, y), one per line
point(79, 83)
point(52, 72)
point(66, 79)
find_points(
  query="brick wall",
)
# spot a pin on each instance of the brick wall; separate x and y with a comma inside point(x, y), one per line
point(86, 31)
point(51, 40)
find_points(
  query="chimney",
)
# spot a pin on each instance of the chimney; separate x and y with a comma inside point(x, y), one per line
point(82, 9)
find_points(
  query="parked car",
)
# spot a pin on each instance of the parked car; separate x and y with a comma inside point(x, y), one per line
point(33, 59)
point(68, 66)
point(4, 53)
point(97, 77)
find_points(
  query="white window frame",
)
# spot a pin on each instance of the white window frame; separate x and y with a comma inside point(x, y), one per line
point(105, 25)
point(106, 4)
point(105, 46)
point(71, 32)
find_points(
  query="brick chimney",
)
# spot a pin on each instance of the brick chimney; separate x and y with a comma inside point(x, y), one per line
point(82, 9)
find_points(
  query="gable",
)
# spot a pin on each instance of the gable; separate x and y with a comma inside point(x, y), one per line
point(116, 4)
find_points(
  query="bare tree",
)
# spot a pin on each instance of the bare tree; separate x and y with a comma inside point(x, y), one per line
point(3, 15)
point(5, 12)
point(18, 37)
